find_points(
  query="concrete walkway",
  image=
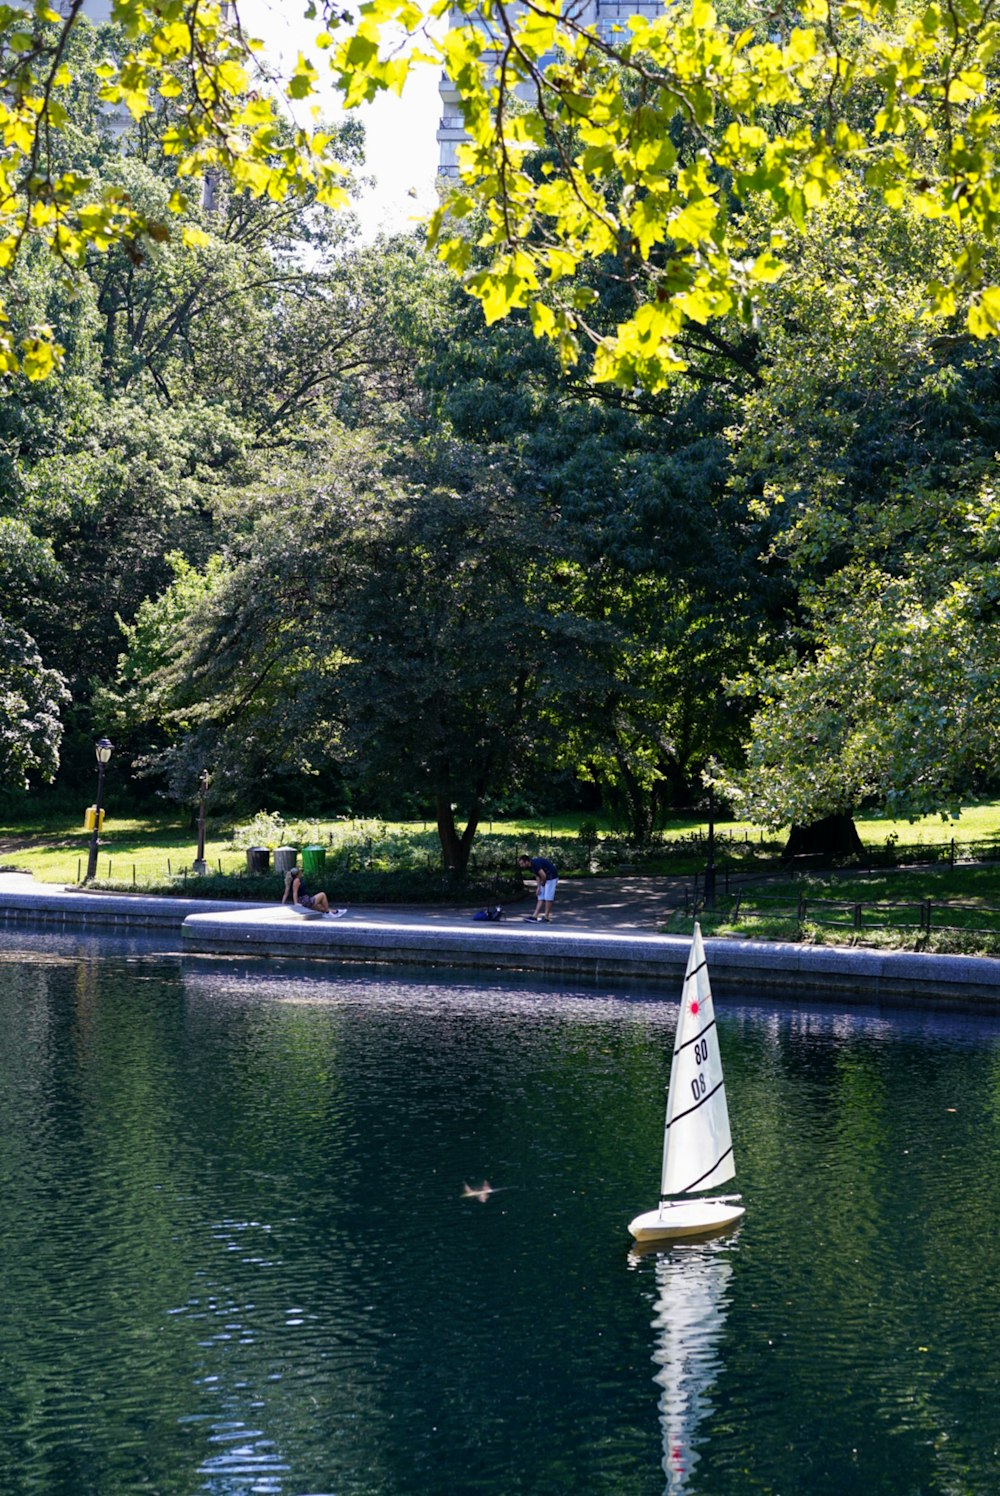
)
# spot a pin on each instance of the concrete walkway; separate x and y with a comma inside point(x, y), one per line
point(633, 905)
point(606, 933)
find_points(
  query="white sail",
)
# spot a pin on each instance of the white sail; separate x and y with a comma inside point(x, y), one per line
point(689, 1318)
point(697, 1144)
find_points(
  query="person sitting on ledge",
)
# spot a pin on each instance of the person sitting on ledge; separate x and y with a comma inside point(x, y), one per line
point(299, 895)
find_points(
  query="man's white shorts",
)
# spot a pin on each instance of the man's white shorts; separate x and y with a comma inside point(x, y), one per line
point(547, 891)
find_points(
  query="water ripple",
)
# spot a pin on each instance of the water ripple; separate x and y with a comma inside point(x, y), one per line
point(236, 1257)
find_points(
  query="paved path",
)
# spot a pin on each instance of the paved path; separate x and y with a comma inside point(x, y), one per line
point(623, 903)
point(631, 904)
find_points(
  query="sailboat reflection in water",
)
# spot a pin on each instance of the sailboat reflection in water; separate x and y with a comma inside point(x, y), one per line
point(689, 1317)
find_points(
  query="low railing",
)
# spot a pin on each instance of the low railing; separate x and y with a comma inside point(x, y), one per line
point(922, 917)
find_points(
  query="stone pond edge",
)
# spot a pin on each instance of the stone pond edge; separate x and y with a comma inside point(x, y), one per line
point(595, 956)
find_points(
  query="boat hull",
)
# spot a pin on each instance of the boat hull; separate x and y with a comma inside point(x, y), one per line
point(677, 1218)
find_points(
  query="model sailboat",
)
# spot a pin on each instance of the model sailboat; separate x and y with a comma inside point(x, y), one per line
point(697, 1144)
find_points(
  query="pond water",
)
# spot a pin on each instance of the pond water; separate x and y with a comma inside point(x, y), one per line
point(235, 1256)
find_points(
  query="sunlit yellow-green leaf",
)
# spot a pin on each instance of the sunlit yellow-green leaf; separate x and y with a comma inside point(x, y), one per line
point(984, 313)
point(39, 357)
point(303, 81)
point(767, 268)
point(695, 222)
point(543, 319)
point(194, 238)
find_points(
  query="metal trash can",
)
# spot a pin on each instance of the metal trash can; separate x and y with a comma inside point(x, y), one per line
point(285, 859)
point(313, 859)
point(258, 860)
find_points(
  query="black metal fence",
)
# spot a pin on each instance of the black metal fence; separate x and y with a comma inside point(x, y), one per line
point(891, 853)
point(921, 917)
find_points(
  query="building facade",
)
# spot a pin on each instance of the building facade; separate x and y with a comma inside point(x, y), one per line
point(608, 18)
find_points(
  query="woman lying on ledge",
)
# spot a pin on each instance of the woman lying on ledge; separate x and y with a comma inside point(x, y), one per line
point(298, 894)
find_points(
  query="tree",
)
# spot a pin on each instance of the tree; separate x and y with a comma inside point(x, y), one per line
point(31, 696)
point(252, 310)
point(182, 367)
point(30, 701)
point(869, 449)
point(667, 558)
point(189, 69)
point(896, 703)
point(660, 136)
point(400, 621)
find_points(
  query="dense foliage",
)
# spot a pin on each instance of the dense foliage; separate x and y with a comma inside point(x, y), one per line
point(692, 146)
point(300, 510)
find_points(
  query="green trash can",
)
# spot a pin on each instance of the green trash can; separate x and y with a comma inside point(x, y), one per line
point(313, 859)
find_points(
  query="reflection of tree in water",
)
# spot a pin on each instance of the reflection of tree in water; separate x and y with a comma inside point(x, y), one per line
point(688, 1319)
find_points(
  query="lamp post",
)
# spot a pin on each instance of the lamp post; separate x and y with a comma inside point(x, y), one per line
point(103, 749)
point(200, 865)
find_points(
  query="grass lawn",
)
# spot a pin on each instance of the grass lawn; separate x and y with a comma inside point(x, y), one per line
point(153, 847)
point(51, 846)
point(948, 909)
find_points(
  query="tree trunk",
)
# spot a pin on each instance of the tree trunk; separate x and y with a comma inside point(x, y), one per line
point(635, 801)
point(455, 847)
point(833, 836)
point(680, 795)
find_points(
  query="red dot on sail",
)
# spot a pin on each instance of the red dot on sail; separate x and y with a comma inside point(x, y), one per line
point(694, 1006)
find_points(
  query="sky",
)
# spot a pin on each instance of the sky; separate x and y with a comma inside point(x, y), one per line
point(402, 152)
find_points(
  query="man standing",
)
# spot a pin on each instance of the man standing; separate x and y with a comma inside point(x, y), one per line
point(546, 878)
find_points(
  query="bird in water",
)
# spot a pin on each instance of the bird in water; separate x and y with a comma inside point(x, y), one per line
point(482, 1194)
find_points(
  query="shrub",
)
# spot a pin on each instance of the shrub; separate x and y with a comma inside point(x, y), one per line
point(367, 886)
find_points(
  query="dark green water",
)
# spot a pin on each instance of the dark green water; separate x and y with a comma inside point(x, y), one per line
point(234, 1256)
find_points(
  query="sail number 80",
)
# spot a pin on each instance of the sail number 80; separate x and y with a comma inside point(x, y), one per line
point(699, 1085)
